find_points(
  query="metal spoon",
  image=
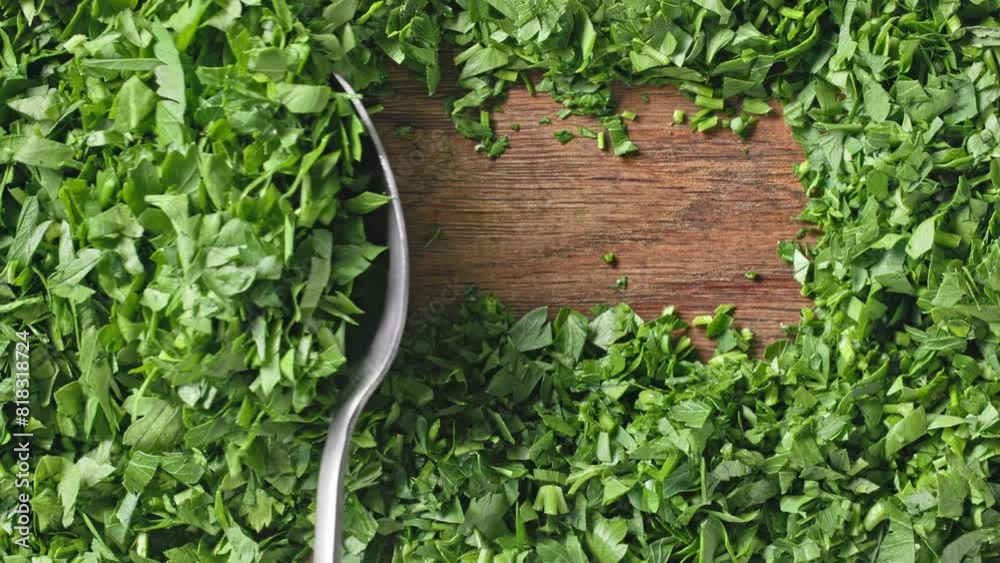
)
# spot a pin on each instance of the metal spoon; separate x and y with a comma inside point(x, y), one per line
point(366, 375)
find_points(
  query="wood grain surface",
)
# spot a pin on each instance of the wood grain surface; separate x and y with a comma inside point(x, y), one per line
point(687, 217)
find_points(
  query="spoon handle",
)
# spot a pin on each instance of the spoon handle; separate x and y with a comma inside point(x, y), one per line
point(332, 482)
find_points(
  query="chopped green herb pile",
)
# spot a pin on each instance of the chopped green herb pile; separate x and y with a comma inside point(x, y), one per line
point(181, 235)
point(181, 204)
point(869, 436)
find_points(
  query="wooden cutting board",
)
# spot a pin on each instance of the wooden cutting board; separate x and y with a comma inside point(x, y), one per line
point(687, 217)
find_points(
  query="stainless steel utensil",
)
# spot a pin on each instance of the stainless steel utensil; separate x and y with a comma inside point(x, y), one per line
point(367, 374)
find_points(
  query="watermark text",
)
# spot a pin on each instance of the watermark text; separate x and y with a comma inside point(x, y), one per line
point(21, 442)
